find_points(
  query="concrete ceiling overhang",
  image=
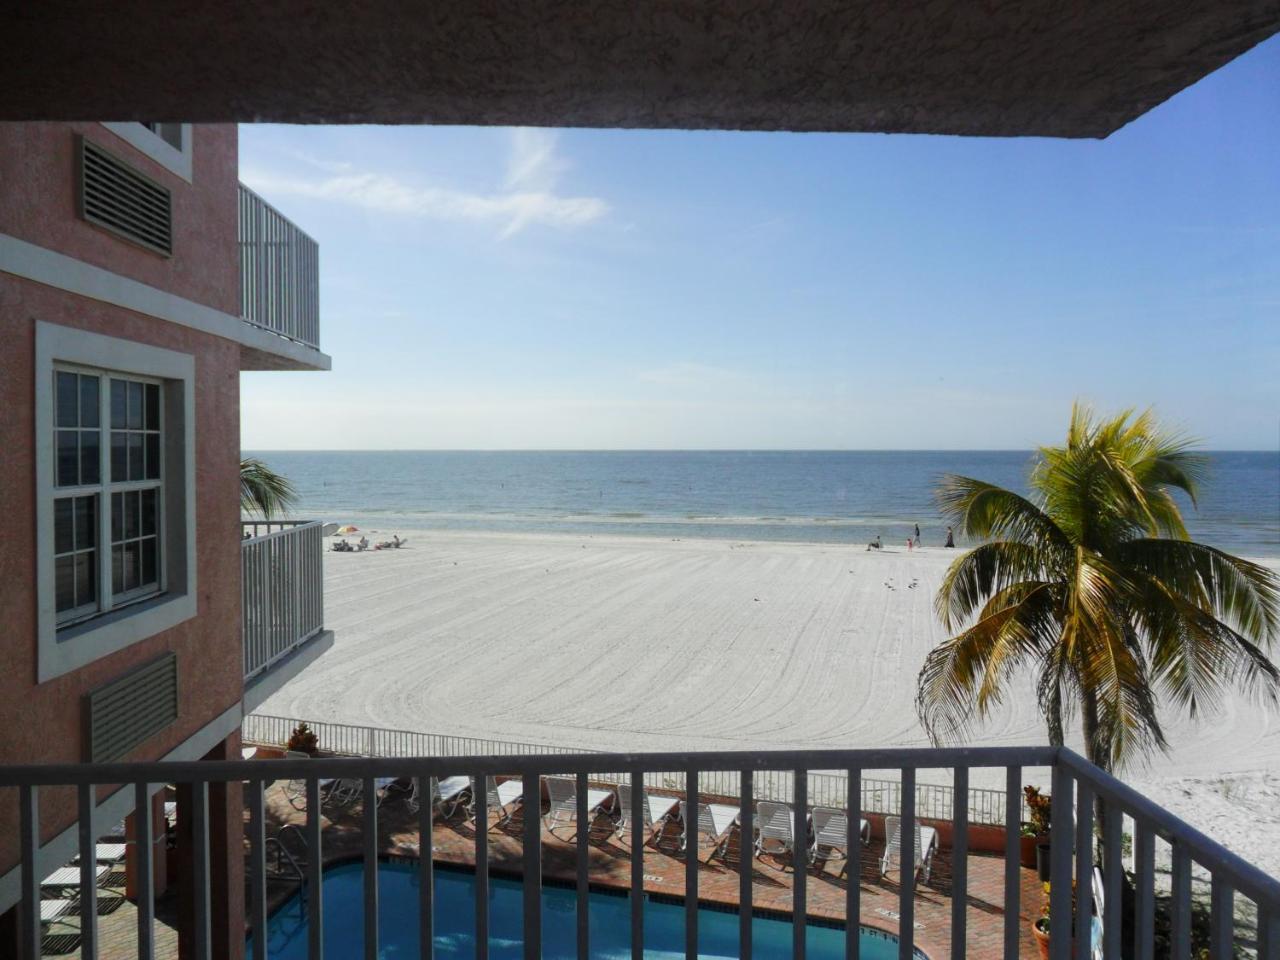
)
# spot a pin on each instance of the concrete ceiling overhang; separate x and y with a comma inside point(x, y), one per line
point(977, 67)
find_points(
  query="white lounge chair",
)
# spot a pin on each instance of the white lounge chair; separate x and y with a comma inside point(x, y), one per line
point(109, 853)
point(563, 794)
point(656, 811)
point(831, 832)
point(715, 820)
point(446, 795)
point(65, 877)
point(776, 822)
point(499, 797)
point(926, 845)
point(53, 911)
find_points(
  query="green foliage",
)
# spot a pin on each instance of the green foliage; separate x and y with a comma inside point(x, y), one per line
point(1041, 809)
point(263, 491)
point(1092, 582)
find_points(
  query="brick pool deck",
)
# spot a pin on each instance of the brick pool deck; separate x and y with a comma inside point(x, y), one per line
point(610, 867)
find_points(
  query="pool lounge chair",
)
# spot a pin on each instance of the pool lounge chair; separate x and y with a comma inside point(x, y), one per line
point(657, 812)
point(446, 795)
point(54, 911)
point(776, 822)
point(563, 793)
point(499, 797)
point(108, 853)
point(715, 820)
point(926, 845)
point(831, 833)
point(65, 877)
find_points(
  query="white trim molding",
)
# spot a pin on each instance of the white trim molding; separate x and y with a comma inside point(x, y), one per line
point(150, 143)
point(53, 269)
point(60, 651)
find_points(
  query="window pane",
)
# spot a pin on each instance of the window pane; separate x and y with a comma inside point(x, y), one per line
point(64, 583)
point(150, 507)
point(135, 456)
point(64, 540)
point(119, 457)
point(117, 569)
point(86, 580)
point(86, 523)
point(90, 456)
point(153, 406)
point(117, 517)
point(119, 404)
point(153, 456)
point(149, 561)
point(131, 515)
point(135, 405)
point(130, 566)
point(68, 458)
point(67, 404)
point(88, 401)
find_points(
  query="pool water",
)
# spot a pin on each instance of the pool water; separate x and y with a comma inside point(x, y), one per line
point(343, 891)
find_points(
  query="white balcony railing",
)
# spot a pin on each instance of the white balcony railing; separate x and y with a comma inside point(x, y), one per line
point(279, 272)
point(281, 587)
point(1071, 848)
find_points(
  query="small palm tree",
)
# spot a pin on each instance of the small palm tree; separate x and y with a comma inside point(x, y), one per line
point(263, 491)
point(1093, 583)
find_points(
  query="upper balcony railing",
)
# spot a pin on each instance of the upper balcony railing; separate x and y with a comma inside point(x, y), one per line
point(282, 588)
point(1077, 785)
point(279, 272)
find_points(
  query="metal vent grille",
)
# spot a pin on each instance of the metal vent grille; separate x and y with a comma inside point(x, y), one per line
point(115, 196)
point(125, 712)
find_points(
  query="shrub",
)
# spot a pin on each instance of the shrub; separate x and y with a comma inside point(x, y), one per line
point(1041, 810)
point(303, 740)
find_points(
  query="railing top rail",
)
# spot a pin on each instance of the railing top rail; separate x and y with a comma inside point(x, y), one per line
point(1204, 850)
point(195, 771)
point(258, 198)
point(294, 527)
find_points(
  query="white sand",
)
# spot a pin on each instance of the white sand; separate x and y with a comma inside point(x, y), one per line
point(645, 644)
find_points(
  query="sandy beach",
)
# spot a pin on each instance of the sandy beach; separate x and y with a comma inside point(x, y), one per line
point(626, 643)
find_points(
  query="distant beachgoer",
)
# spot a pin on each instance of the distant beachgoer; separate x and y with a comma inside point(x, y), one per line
point(395, 540)
point(951, 540)
point(917, 534)
point(874, 544)
point(363, 544)
point(910, 543)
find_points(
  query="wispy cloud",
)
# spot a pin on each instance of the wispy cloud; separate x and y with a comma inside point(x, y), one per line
point(529, 195)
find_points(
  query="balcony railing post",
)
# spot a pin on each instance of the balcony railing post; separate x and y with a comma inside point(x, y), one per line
point(426, 866)
point(1221, 918)
point(144, 849)
point(746, 861)
point(907, 867)
point(1113, 872)
point(853, 867)
point(1145, 903)
point(1180, 903)
point(582, 906)
point(531, 811)
point(691, 826)
point(960, 864)
point(1060, 856)
point(1084, 869)
point(480, 798)
point(315, 877)
point(88, 875)
point(800, 862)
point(370, 829)
point(1012, 849)
point(257, 868)
point(29, 813)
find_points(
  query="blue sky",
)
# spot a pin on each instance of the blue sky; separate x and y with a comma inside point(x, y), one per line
point(494, 288)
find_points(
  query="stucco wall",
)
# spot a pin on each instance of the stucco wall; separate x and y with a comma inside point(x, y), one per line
point(43, 723)
point(37, 186)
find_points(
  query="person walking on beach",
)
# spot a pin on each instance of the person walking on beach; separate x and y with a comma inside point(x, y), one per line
point(917, 534)
point(951, 540)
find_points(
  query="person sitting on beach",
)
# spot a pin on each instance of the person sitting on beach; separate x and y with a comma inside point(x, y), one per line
point(363, 543)
point(874, 544)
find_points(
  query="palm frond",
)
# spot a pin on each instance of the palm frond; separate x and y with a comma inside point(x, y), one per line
point(263, 491)
point(983, 511)
point(982, 572)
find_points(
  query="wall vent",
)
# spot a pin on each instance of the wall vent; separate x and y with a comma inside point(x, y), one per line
point(125, 712)
point(117, 197)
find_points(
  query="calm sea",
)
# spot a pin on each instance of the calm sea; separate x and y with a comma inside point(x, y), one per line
point(833, 497)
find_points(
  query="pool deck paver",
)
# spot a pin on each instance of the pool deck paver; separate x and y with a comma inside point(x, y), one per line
point(453, 842)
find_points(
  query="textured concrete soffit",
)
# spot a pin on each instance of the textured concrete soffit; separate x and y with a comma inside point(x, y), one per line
point(978, 67)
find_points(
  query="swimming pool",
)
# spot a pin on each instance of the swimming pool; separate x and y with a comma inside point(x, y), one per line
point(343, 891)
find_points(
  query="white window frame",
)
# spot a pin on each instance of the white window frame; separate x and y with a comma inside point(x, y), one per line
point(139, 136)
point(67, 647)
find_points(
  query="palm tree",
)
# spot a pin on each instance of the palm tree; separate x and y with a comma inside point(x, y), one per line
point(1093, 583)
point(263, 491)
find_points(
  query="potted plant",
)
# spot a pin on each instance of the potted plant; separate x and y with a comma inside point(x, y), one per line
point(1036, 830)
point(303, 740)
point(1040, 925)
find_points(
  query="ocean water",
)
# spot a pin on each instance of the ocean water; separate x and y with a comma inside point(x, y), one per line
point(824, 496)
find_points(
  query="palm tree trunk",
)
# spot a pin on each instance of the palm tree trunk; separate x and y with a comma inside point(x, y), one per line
point(1053, 717)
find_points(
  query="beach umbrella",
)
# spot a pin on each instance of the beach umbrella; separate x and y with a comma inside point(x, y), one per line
point(349, 528)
